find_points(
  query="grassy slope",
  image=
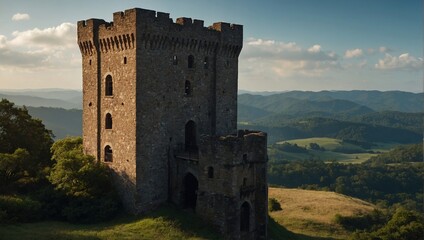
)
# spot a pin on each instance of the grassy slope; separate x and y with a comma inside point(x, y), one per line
point(311, 213)
point(166, 223)
point(306, 215)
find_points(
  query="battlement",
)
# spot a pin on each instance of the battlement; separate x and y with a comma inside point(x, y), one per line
point(149, 17)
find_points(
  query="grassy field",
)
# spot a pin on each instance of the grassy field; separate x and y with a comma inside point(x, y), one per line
point(331, 152)
point(330, 144)
point(306, 215)
point(311, 213)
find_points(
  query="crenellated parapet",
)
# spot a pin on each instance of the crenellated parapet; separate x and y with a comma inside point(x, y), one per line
point(117, 43)
point(147, 29)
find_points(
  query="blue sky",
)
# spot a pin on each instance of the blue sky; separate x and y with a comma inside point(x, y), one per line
point(288, 44)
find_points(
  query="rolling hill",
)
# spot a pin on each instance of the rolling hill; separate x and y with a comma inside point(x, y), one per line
point(332, 128)
point(63, 122)
point(376, 100)
point(34, 101)
point(312, 213)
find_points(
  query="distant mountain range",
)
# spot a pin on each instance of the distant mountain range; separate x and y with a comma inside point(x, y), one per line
point(57, 98)
point(375, 100)
point(400, 113)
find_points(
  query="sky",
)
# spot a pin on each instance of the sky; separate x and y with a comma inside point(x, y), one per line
point(308, 45)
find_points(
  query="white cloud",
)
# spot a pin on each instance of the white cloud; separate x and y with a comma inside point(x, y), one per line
point(403, 62)
point(274, 61)
point(270, 49)
point(50, 49)
point(314, 49)
point(20, 17)
point(352, 53)
point(62, 36)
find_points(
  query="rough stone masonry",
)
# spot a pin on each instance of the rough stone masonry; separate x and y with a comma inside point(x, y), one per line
point(160, 109)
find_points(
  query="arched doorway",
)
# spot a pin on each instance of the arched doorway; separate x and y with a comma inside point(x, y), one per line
point(245, 217)
point(190, 136)
point(190, 191)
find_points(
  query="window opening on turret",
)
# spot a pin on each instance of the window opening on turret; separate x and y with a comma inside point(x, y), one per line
point(125, 60)
point(187, 88)
point(205, 63)
point(190, 61)
point(108, 154)
point(90, 62)
point(109, 86)
point(108, 121)
point(210, 172)
point(175, 60)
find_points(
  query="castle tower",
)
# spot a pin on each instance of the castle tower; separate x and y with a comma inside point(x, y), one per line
point(159, 107)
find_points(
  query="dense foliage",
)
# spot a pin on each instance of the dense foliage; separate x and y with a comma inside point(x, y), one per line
point(90, 195)
point(38, 184)
point(408, 153)
point(379, 183)
point(24, 149)
point(403, 225)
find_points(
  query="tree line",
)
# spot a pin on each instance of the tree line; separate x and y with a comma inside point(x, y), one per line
point(42, 179)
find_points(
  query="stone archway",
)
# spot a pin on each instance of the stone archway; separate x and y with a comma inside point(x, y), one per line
point(190, 191)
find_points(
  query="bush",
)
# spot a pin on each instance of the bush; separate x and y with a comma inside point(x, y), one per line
point(367, 221)
point(19, 209)
point(273, 205)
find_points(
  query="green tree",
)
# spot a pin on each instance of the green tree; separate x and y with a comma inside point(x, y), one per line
point(404, 225)
point(11, 168)
point(18, 130)
point(86, 183)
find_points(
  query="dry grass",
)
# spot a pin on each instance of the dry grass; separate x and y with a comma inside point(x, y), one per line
point(312, 212)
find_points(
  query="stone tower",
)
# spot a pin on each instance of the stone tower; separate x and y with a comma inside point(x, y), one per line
point(160, 109)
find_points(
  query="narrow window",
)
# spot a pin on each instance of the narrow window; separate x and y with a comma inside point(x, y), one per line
point(210, 172)
point(109, 86)
point(90, 62)
point(190, 61)
point(187, 88)
point(175, 60)
point(108, 154)
point(245, 157)
point(190, 136)
point(108, 121)
point(205, 63)
point(245, 217)
point(125, 60)
point(244, 182)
